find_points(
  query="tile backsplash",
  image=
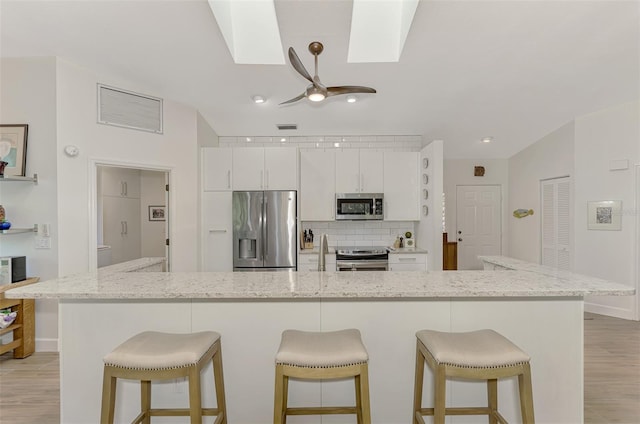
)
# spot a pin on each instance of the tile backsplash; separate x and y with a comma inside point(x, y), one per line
point(358, 233)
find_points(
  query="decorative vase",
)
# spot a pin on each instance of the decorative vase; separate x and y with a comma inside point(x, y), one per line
point(2, 215)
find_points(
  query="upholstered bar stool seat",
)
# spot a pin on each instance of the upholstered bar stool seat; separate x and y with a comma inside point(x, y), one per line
point(152, 356)
point(322, 356)
point(476, 355)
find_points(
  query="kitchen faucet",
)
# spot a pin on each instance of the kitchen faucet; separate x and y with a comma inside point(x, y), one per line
point(322, 251)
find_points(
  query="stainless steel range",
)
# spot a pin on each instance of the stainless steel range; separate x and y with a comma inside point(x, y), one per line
point(362, 259)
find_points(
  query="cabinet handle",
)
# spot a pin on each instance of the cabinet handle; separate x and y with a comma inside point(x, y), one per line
point(217, 231)
point(362, 182)
point(261, 179)
point(121, 188)
point(126, 189)
point(357, 183)
point(126, 228)
point(407, 259)
point(121, 228)
point(229, 179)
point(266, 185)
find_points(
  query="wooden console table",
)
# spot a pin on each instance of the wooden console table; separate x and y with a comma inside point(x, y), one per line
point(24, 326)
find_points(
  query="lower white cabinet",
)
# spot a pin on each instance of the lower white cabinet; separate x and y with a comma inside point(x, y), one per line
point(217, 247)
point(407, 261)
point(309, 262)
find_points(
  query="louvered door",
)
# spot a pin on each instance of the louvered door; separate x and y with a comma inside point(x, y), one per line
point(556, 223)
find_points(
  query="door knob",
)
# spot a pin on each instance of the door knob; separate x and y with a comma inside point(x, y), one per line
point(459, 239)
point(459, 232)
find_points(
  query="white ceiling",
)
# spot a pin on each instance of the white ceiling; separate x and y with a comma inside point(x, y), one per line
point(514, 70)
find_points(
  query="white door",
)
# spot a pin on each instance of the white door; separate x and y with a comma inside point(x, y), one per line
point(248, 168)
point(478, 223)
point(556, 221)
point(217, 234)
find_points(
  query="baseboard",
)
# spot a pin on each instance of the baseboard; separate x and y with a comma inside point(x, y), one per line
point(47, 345)
point(610, 311)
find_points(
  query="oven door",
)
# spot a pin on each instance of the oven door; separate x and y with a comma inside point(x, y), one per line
point(362, 265)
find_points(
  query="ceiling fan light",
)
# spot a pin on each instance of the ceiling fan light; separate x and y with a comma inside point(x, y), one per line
point(352, 99)
point(258, 99)
point(316, 97)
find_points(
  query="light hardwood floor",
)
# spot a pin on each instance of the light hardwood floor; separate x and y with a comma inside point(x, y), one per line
point(29, 391)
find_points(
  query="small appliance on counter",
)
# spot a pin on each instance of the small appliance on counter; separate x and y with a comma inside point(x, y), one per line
point(13, 269)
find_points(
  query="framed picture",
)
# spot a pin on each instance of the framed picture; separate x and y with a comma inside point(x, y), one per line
point(605, 215)
point(13, 148)
point(157, 213)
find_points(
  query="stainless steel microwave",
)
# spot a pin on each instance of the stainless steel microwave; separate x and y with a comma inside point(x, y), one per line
point(359, 206)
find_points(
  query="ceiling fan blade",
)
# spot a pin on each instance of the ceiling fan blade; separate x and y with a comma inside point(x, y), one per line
point(295, 99)
point(348, 89)
point(297, 65)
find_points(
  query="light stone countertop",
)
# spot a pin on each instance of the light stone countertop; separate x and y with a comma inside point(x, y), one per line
point(317, 285)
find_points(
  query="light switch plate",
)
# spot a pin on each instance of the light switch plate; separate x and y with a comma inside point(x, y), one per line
point(43, 242)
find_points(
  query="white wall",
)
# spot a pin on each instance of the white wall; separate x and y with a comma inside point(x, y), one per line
point(28, 96)
point(460, 172)
point(549, 157)
point(610, 134)
point(175, 150)
point(429, 228)
point(152, 233)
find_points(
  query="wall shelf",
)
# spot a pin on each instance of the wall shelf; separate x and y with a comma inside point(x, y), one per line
point(33, 179)
point(18, 230)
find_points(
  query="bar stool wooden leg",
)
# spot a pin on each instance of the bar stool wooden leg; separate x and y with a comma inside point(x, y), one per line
point(526, 395)
point(356, 380)
point(195, 402)
point(278, 404)
point(440, 391)
point(218, 378)
point(145, 401)
point(108, 397)
point(364, 394)
point(492, 400)
point(417, 386)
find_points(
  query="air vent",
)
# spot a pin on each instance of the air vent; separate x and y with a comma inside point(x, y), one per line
point(287, 126)
point(126, 109)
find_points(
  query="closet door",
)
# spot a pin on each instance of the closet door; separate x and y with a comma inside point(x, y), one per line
point(556, 223)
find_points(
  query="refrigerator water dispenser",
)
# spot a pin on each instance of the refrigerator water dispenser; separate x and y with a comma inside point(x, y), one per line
point(247, 248)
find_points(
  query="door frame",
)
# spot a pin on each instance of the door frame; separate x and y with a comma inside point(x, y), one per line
point(93, 203)
point(636, 270)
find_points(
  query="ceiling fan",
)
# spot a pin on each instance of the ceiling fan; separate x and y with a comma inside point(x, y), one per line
point(316, 91)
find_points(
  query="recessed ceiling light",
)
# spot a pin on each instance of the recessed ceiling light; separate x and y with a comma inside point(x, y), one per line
point(487, 139)
point(258, 99)
point(283, 139)
point(352, 99)
point(248, 138)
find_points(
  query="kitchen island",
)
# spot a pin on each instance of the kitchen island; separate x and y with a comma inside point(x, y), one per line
point(543, 314)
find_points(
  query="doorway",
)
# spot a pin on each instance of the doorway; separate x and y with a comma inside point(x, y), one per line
point(478, 220)
point(131, 213)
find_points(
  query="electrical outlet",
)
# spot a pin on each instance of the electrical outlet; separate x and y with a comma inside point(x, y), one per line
point(43, 242)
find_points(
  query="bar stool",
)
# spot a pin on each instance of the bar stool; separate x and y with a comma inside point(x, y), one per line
point(162, 356)
point(322, 356)
point(476, 355)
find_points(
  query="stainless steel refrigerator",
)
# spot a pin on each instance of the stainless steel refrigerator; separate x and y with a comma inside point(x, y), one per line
point(264, 230)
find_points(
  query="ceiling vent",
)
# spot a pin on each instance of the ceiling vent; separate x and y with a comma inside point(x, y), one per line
point(287, 126)
point(122, 108)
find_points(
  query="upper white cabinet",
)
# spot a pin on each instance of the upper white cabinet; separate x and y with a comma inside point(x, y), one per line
point(270, 168)
point(359, 171)
point(120, 182)
point(401, 186)
point(216, 169)
point(317, 184)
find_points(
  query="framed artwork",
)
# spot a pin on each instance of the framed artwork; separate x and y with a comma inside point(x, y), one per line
point(604, 215)
point(13, 148)
point(157, 213)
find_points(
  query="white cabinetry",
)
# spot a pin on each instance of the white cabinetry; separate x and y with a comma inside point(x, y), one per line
point(407, 261)
point(401, 186)
point(217, 234)
point(270, 168)
point(317, 185)
point(120, 182)
point(309, 262)
point(359, 171)
point(121, 214)
point(216, 168)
